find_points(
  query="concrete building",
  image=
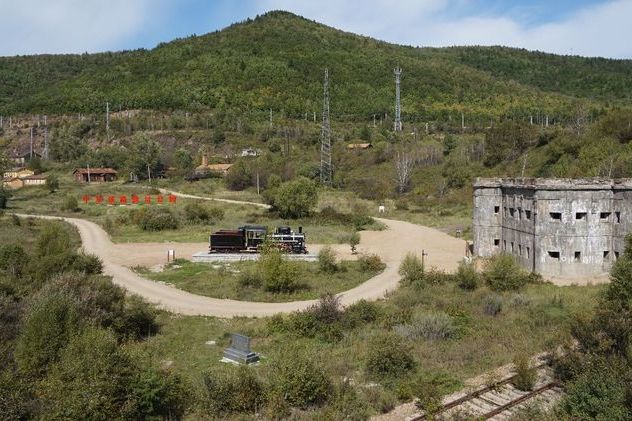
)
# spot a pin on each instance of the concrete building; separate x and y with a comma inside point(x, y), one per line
point(560, 228)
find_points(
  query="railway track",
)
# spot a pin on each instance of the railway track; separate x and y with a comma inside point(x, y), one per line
point(500, 401)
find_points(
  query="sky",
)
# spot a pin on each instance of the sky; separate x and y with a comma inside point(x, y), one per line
point(581, 27)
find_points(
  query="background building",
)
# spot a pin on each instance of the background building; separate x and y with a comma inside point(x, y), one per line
point(557, 227)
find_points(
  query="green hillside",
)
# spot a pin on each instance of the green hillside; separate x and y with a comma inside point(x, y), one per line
point(277, 61)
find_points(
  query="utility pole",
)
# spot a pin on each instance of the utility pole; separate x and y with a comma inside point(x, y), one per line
point(462, 121)
point(45, 142)
point(398, 107)
point(31, 155)
point(258, 182)
point(325, 136)
point(107, 117)
point(148, 173)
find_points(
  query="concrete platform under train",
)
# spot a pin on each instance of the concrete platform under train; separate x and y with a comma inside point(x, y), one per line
point(206, 257)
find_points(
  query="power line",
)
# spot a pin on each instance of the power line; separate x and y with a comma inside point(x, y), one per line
point(325, 136)
point(398, 106)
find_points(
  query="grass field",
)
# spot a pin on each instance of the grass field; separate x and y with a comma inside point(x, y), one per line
point(222, 280)
point(531, 321)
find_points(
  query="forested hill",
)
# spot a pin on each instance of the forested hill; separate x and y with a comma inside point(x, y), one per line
point(277, 61)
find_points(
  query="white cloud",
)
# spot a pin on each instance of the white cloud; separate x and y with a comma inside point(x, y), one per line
point(598, 30)
point(69, 26)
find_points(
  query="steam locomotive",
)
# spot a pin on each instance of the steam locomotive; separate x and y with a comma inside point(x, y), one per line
point(250, 238)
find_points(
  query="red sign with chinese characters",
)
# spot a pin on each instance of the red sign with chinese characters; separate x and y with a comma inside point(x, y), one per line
point(111, 200)
point(135, 199)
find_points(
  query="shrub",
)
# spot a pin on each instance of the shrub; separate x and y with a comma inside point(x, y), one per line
point(431, 326)
point(327, 260)
point(599, 392)
point(492, 305)
point(295, 199)
point(467, 277)
point(371, 263)
point(53, 239)
point(138, 319)
point(232, 390)
point(88, 264)
point(249, 279)
point(319, 320)
point(354, 240)
point(411, 269)
point(5, 195)
point(157, 219)
point(279, 275)
point(382, 401)
point(13, 259)
point(197, 213)
point(50, 321)
point(70, 204)
point(362, 312)
point(388, 356)
point(526, 375)
point(300, 380)
point(52, 183)
point(436, 277)
point(502, 273)
point(518, 300)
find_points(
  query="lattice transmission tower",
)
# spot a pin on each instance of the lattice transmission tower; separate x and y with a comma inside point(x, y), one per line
point(398, 106)
point(325, 137)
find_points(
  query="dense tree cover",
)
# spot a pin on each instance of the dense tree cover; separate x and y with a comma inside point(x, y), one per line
point(63, 330)
point(277, 61)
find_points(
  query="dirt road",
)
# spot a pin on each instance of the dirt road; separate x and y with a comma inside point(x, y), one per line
point(391, 245)
point(235, 202)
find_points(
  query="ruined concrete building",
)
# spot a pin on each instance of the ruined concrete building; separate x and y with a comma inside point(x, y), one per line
point(561, 228)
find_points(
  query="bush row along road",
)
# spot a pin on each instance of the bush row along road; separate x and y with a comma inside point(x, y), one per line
point(391, 244)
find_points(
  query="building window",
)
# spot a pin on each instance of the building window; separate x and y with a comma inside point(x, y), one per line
point(616, 255)
point(604, 216)
point(528, 252)
point(511, 212)
point(580, 215)
point(496, 209)
point(617, 217)
point(554, 255)
point(556, 216)
point(505, 245)
point(606, 255)
point(527, 214)
point(512, 247)
point(496, 242)
point(519, 249)
point(578, 256)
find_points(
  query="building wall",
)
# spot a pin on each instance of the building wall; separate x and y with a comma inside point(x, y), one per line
point(559, 228)
point(487, 220)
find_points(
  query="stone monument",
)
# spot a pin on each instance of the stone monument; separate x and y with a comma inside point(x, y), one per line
point(239, 350)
